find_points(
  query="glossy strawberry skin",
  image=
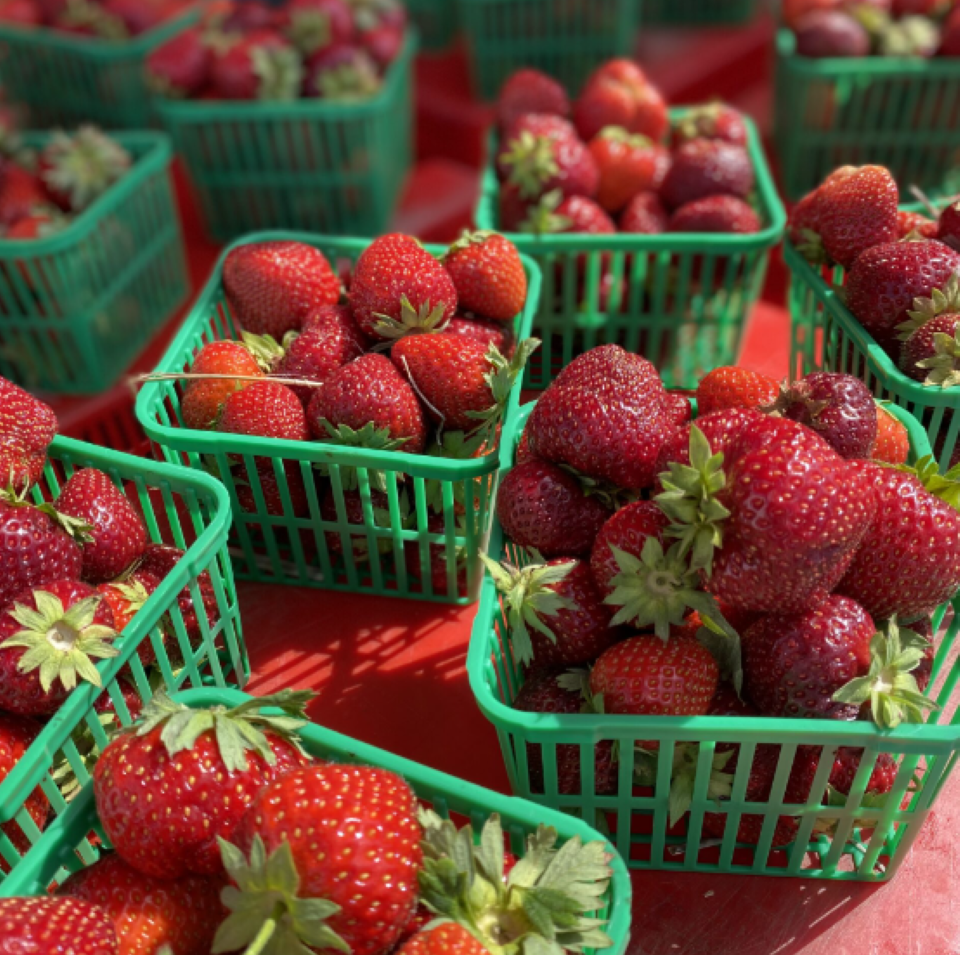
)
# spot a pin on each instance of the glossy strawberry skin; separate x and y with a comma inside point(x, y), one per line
point(628, 529)
point(489, 278)
point(645, 214)
point(715, 121)
point(234, 74)
point(181, 65)
point(486, 332)
point(849, 419)
point(16, 736)
point(627, 168)
point(270, 489)
point(584, 215)
point(610, 100)
point(20, 193)
point(530, 91)
point(707, 167)
point(893, 441)
point(51, 926)
point(734, 387)
point(26, 423)
point(119, 534)
point(921, 345)
point(719, 428)
point(159, 560)
point(447, 939)
point(725, 214)
point(542, 506)
point(123, 611)
point(846, 764)
point(323, 811)
point(908, 222)
point(265, 409)
point(831, 33)
point(576, 170)
point(203, 399)
point(316, 355)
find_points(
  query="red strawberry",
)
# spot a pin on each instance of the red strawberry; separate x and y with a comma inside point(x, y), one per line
point(208, 768)
point(713, 121)
point(574, 214)
point(354, 513)
point(317, 24)
point(271, 287)
point(910, 223)
point(677, 408)
point(149, 913)
point(715, 214)
point(541, 155)
point(19, 469)
point(539, 125)
point(250, 16)
point(126, 597)
point(707, 167)
point(48, 636)
point(374, 891)
point(21, 192)
point(21, 13)
point(448, 938)
point(77, 168)
point(530, 91)
point(948, 226)
point(260, 65)
point(320, 352)
point(368, 403)
point(131, 700)
point(543, 507)
point(342, 73)
point(117, 534)
point(646, 214)
point(384, 43)
point(924, 629)
point(398, 287)
point(846, 764)
point(734, 387)
point(488, 276)
point(273, 503)
point(950, 42)
point(803, 226)
point(514, 208)
point(50, 926)
point(180, 67)
point(203, 399)
point(831, 33)
point(542, 693)
point(909, 561)
point(159, 560)
point(893, 442)
point(725, 702)
point(628, 164)
point(931, 353)
point(27, 426)
point(16, 737)
point(719, 428)
point(266, 409)
point(628, 530)
point(39, 225)
point(620, 95)
point(498, 334)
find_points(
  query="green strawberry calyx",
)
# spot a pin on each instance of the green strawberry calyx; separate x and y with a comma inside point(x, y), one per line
point(944, 364)
point(60, 642)
point(810, 246)
point(76, 527)
point(280, 72)
point(267, 915)
point(132, 591)
point(501, 376)
point(267, 351)
point(529, 597)
point(349, 82)
point(425, 320)
point(945, 486)
point(84, 165)
point(943, 301)
point(467, 240)
point(309, 30)
point(237, 731)
point(617, 134)
point(543, 218)
point(530, 162)
point(543, 906)
point(890, 687)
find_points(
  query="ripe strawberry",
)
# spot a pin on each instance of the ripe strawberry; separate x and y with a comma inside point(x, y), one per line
point(203, 400)
point(542, 155)
point(574, 214)
point(887, 279)
point(628, 530)
point(831, 33)
point(266, 409)
point(149, 913)
point(488, 275)
point(925, 357)
point(530, 91)
point(19, 469)
point(126, 596)
point(47, 638)
point(320, 352)
point(616, 399)
point(909, 561)
point(707, 167)
point(923, 628)
point(646, 214)
point(40, 224)
point(734, 387)
point(398, 287)
point(27, 426)
point(131, 700)
point(16, 737)
point(352, 510)
point(713, 121)
point(341, 73)
point(209, 767)
point(317, 24)
point(368, 403)
point(40, 926)
point(543, 507)
point(271, 287)
point(678, 408)
point(623, 97)
point(628, 164)
point(159, 560)
point(915, 223)
point(180, 67)
point(21, 13)
point(948, 226)
point(726, 702)
point(117, 534)
point(538, 125)
point(646, 676)
point(250, 16)
point(715, 214)
point(543, 693)
point(719, 428)
point(76, 169)
point(21, 192)
point(846, 764)
point(273, 502)
point(950, 42)
point(374, 891)
point(447, 938)
point(514, 208)
point(498, 334)
point(262, 65)
point(893, 442)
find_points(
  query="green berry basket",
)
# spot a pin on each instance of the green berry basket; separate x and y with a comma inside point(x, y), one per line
point(566, 38)
point(74, 839)
point(333, 168)
point(387, 552)
point(181, 508)
point(862, 842)
point(66, 79)
point(78, 306)
point(681, 300)
point(825, 336)
point(900, 113)
point(698, 13)
point(436, 22)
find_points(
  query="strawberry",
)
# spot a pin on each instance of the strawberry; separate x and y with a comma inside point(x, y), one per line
point(793, 10)
point(250, 16)
point(618, 94)
point(117, 534)
point(719, 428)
point(273, 496)
point(646, 214)
point(342, 73)
point(628, 164)
point(948, 226)
point(27, 426)
point(830, 33)
point(16, 737)
point(726, 702)
point(628, 530)
point(150, 913)
point(616, 400)
point(556, 614)
point(916, 224)
point(513, 207)
point(368, 403)
point(271, 287)
point(305, 826)
point(488, 275)
point(20, 13)
point(678, 408)
point(893, 442)
point(352, 511)
point(715, 214)
point(40, 224)
point(20, 469)
point(950, 38)
point(923, 628)
point(707, 167)
point(136, 16)
point(203, 400)
point(530, 91)
point(47, 638)
point(227, 756)
point(538, 162)
point(839, 407)
point(21, 192)
point(159, 560)
point(52, 926)
point(909, 561)
point(266, 409)
point(847, 763)
point(126, 596)
point(262, 65)
point(317, 24)
point(180, 67)
point(398, 287)
point(540, 126)
point(77, 169)
point(884, 283)
point(321, 351)
point(932, 353)
point(131, 700)
point(713, 121)
point(573, 214)
point(734, 387)
point(543, 507)
point(498, 334)
point(447, 938)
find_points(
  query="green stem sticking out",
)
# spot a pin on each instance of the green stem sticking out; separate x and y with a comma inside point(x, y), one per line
point(944, 365)
point(530, 162)
point(427, 319)
point(501, 377)
point(683, 776)
point(945, 486)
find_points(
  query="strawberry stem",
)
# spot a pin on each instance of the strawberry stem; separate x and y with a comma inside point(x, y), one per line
point(189, 376)
point(267, 931)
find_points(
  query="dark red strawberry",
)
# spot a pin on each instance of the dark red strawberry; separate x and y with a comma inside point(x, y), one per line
point(265, 409)
point(707, 167)
point(488, 276)
point(320, 351)
point(950, 42)
point(628, 530)
point(317, 24)
point(831, 33)
point(530, 91)
point(21, 13)
point(131, 700)
point(538, 163)
point(498, 334)
point(180, 67)
point(719, 428)
point(203, 399)
point(261, 65)
point(847, 763)
point(948, 226)
point(713, 121)
point(27, 426)
point(726, 702)
point(732, 387)
point(574, 214)
point(159, 560)
point(628, 164)
point(270, 488)
point(514, 208)
point(342, 73)
point(924, 630)
point(16, 738)
point(646, 214)
point(715, 214)
point(56, 925)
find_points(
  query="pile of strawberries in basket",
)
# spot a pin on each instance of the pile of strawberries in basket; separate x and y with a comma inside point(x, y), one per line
point(610, 161)
point(334, 50)
point(262, 842)
point(774, 556)
point(97, 19)
point(41, 192)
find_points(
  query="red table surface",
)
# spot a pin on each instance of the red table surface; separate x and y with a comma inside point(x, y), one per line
point(392, 672)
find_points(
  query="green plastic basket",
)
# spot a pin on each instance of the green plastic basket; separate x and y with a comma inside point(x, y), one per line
point(566, 38)
point(436, 22)
point(290, 549)
point(67, 846)
point(77, 307)
point(899, 113)
point(180, 508)
point(325, 167)
point(66, 79)
point(825, 336)
point(682, 300)
point(698, 13)
point(637, 819)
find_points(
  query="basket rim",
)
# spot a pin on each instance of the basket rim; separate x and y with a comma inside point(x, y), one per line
point(583, 727)
point(487, 216)
point(314, 452)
